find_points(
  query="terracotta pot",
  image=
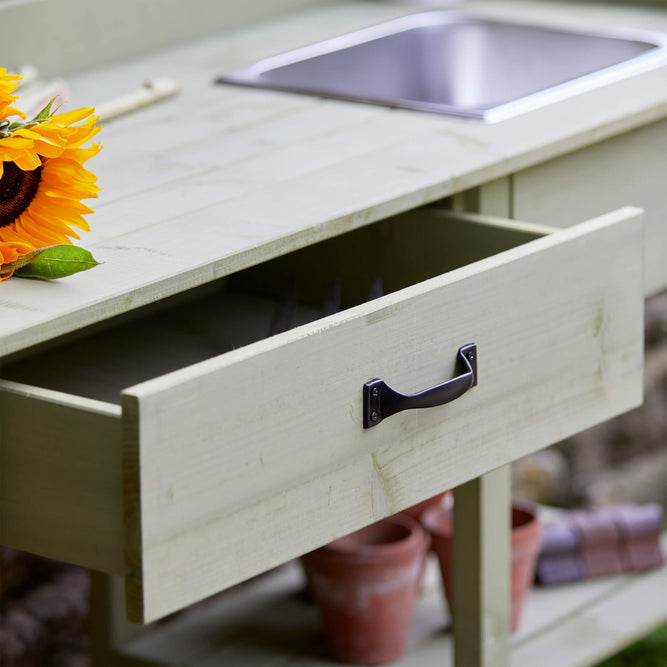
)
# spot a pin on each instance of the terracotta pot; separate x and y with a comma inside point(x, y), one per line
point(525, 546)
point(365, 585)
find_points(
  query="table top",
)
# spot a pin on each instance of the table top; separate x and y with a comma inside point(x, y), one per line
point(219, 178)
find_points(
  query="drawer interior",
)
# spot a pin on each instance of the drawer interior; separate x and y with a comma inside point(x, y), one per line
point(299, 287)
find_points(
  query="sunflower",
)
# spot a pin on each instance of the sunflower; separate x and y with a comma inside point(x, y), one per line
point(42, 178)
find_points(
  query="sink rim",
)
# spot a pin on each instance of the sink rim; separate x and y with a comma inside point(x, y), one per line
point(250, 75)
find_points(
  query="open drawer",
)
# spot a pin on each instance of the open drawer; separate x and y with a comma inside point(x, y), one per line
point(232, 456)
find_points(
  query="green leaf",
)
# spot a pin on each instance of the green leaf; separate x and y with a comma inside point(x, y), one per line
point(57, 261)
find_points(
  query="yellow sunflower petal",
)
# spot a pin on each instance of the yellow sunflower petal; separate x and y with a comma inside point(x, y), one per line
point(74, 116)
point(46, 230)
point(73, 191)
point(9, 234)
point(10, 251)
point(25, 234)
point(81, 155)
point(8, 83)
point(7, 110)
point(24, 159)
point(83, 137)
point(47, 148)
point(4, 77)
point(27, 134)
point(80, 223)
point(17, 141)
point(73, 188)
point(69, 170)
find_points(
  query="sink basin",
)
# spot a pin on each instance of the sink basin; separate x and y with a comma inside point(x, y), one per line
point(454, 63)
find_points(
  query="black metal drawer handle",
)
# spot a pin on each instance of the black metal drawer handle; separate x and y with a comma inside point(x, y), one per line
point(381, 401)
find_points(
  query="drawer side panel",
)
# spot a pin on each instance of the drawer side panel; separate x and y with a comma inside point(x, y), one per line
point(242, 462)
point(60, 465)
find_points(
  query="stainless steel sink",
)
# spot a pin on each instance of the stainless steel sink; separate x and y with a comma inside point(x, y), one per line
point(459, 64)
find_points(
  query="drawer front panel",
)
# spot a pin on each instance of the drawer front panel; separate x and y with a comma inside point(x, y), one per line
point(242, 462)
point(629, 169)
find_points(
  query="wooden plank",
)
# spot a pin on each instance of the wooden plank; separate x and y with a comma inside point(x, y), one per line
point(254, 160)
point(481, 578)
point(165, 159)
point(61, 493)
point(574, 188)
point(269, 622)
point(195, 437)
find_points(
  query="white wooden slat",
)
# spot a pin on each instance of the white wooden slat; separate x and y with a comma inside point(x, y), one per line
point(61, 493)
point(285, 628)
point(165, 157)
point(195, 498)
point(220, 113)
point(250, 162)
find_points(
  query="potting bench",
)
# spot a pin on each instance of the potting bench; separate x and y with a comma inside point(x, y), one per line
point(152, 432)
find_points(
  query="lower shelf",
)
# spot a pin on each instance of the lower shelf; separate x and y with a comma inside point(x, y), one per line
point(269, 622)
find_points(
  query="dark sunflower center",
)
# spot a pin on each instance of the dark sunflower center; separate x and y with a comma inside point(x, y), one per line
point(17, 189)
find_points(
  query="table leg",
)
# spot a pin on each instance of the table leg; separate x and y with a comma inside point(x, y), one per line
point(481, 577)
point(109, 627)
